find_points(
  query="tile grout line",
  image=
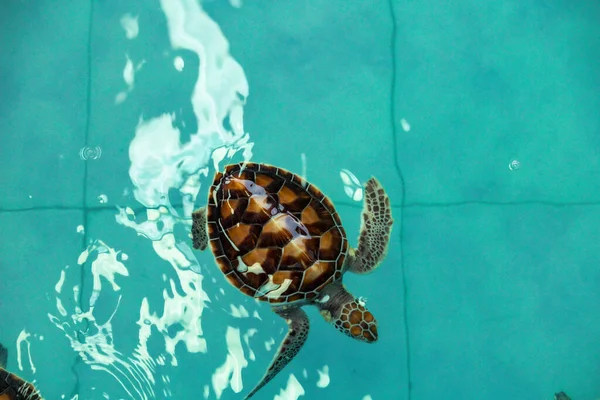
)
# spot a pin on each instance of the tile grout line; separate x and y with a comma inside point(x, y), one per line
point(84, 239)
point(546, 203)
point(86, 210)
point(394, 127)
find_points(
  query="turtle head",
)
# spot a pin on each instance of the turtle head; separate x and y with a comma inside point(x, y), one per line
point(347, 313)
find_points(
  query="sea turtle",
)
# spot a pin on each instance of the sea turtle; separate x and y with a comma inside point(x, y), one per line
point(279, 239)
point(11, 386)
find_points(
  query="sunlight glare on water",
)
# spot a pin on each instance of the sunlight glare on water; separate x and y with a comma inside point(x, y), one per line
point(94, 341)
point(292, 391)
point(160, 163)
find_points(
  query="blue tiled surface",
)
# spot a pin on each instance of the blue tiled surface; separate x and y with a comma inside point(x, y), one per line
point(35, 247)
point(499, 293)
point(502, 298)
point(42, 108)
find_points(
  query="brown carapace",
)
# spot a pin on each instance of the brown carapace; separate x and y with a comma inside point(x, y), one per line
point(279, 239)
point(13, 387)
point(273, 235)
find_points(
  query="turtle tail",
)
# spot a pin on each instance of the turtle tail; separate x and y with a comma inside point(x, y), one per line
point(3, 356)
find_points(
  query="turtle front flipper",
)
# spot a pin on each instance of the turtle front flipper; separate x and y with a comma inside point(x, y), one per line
point(298, 324)
point(199, 235)
point(375, 230)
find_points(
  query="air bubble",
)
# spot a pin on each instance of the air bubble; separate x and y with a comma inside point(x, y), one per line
point(514, 165)
point(102, 199)
point(90, 153)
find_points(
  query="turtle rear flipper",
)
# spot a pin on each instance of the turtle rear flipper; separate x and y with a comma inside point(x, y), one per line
point(298, 324)
point(374, 236)
point(3, 356)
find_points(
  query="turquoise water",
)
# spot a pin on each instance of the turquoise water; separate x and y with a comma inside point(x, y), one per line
point(480, 118)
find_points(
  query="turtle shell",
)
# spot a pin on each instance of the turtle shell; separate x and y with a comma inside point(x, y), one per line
point(14, 388)
point(276, 237)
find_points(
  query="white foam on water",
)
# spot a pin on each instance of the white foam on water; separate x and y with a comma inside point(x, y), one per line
point(405, 125)
point(303, 160)
point(269, 344)
point(230, 373)
point(239, 312)
point(349, 178)
point(251, 332)
point(367, 397)
point(103, 267)
point(324, 379)
point(61, 281)
point(128, 72)
point(120, 97)
point(160, 164)
point(181, 310)
point(130, 25)
point(24, 337)
point(292, 391)
point(352, 186)
point(129, 78)
point(94, 341)
point(178, 63)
